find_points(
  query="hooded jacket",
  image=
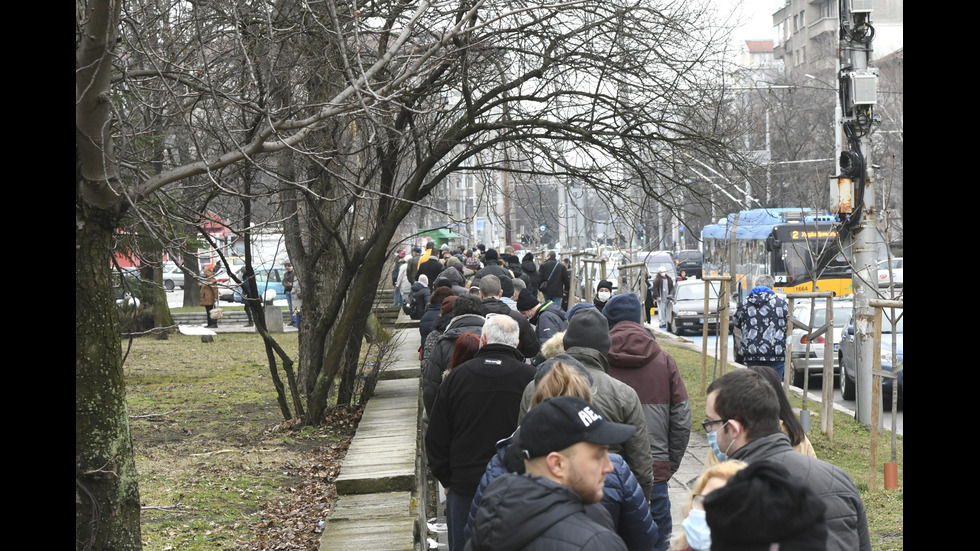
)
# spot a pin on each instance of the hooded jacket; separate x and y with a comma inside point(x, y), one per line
point(533, 276)
point(636, 359)
point(455, 277)
point(420, 298)
point(621, 496)
point(549, 321)
point(441, 356)
point(762, 319)
point(847, 521)
point(534, 514)
point(616, 402)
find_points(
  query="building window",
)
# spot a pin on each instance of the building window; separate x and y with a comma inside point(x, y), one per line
point(796, 23)
point(803, 19)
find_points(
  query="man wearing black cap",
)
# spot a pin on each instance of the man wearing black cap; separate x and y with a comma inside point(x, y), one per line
point(743, 411)
point(555, 279)
point(548, 319)
point(430, 266)
point(565, 443)
point(587, 340)
point(491, 266)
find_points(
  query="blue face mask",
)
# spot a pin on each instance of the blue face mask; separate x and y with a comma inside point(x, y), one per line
point(697, 531)
point(713, 440)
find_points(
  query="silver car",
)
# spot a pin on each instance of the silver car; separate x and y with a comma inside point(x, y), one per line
point(809, 360)
point(173, 276)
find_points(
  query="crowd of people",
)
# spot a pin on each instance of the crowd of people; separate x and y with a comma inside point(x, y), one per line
point(554, 426)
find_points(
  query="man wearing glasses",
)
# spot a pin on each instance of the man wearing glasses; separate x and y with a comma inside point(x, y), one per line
point(743, 418)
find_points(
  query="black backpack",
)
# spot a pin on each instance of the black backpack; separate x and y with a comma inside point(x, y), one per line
point(408, 305)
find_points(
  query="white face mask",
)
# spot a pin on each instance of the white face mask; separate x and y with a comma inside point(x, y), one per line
point(603, 295)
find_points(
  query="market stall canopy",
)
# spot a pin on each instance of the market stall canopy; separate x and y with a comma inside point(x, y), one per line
point(441, 233)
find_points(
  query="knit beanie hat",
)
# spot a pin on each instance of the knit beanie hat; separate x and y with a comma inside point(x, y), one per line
point(528, 256)
point(763, 504)
point(525, 300)
point(623, 308)
point(604, 284)
point(473, 263)
point(588, 329)
point(571, 311)
point(491, 256)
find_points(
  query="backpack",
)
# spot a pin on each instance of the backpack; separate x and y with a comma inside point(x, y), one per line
point(408, 305)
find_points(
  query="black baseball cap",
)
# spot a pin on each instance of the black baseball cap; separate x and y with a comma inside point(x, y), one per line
point(564, 421)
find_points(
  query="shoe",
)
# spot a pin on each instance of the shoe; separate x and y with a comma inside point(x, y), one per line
point(249, 324)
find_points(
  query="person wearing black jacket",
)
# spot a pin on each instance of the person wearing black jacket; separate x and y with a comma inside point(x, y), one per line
point(555, 279)
point(530, 270)
point(476, 406)
point(490, 291)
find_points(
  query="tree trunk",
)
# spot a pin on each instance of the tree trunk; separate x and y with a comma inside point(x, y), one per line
point(107, 506)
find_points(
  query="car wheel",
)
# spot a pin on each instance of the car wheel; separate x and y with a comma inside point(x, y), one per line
point(846, 385)
point(797, 374)
point(168, 284)
point(672, 327)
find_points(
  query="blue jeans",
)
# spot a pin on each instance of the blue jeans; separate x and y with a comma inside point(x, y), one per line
point(457, 513)
point(660, 510)
point(289, 301)
point(779, 367)
point(398, 297)
point(556, 299)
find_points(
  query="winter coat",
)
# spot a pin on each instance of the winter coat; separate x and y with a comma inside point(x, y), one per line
point(617, 402)
point(420, 298)
point(209, 291)
point(431, 268)
point(438, 328)
point(441, 356)
point(404, 283)
point(455, 277)
point(534, 514)
point(847, 522)
point(476, 406)
point(528, 344)
point(533, 276)
point(550, 320)
point(636, 359)
point(621, 496)
point(656, 289)
point(762, 319)
point(491, 269)
point(555, 278)
point(428, 319)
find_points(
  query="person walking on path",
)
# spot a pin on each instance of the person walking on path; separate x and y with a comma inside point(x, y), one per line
point(636, 359)
point(400, 268)
point(209, 294)
point(742, 409)
point(476, 405)
point(761, 318)
point(662, 286)
point(555, 279)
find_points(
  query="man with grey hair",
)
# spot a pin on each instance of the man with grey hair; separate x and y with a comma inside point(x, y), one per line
point(491, 291)
point(761, 320)
point(476, 406)
point(519, 286)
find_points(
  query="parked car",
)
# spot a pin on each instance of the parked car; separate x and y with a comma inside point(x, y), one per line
point(265, 279)
point(656, 260)
point(848, 369)
point(803, 363)
point(690, 261)
point(685, 307)
point(886, 277)
point(173, 276)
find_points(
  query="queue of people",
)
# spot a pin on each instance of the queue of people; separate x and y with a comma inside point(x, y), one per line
point(554, 428)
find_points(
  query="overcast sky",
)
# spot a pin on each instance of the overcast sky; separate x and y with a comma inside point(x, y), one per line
point(757, 17)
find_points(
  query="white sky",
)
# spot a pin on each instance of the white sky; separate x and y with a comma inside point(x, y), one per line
point(756, 15)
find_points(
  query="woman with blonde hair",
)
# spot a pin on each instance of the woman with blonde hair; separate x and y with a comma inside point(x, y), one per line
point(695, 535)
point(622, 497)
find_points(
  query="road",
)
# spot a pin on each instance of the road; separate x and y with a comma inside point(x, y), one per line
point(815, 385)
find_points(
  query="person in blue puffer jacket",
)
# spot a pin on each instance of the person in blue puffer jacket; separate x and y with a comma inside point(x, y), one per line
point(621, 496)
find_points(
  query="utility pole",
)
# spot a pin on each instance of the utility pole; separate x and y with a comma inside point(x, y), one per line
point(852, 188)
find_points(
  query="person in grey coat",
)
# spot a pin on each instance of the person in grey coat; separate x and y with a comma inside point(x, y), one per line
point(743, 417)
point(587, 340)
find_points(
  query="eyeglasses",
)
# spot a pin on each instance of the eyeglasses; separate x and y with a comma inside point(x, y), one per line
point(708, 422)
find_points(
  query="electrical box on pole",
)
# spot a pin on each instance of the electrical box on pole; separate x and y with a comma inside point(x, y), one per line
point(852, 188)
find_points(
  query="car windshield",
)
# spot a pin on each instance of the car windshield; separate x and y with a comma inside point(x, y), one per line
point(695, 292)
